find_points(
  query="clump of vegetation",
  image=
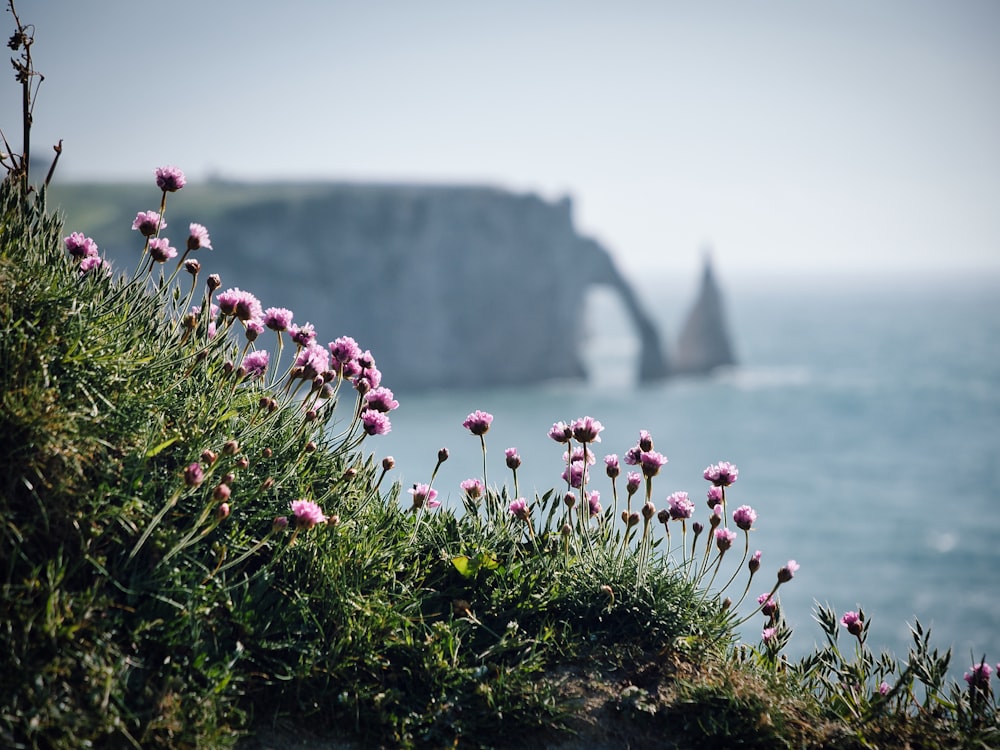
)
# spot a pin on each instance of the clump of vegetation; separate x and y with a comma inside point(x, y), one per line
point(197, 542)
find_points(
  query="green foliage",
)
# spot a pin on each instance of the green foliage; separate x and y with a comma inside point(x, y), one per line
point(144, 613)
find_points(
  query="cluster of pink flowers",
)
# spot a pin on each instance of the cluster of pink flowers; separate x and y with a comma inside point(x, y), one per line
point(642, 455)
point(978, 676)
point(84, 250)
point(340, 358)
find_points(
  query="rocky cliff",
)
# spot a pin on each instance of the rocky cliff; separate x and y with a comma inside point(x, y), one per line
point(704, 343)
point(448, 286)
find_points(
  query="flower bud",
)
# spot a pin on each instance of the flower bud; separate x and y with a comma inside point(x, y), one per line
point(221, 492)
point(633, 519)
point(213, 282)
point(267, 452)
point(570, 499)
point(388, 463)
point(229, 478)
point(194, 475)
point(311, 415)
point(648, 511)
point(279, 524)
point(786, 573)
point(222, 512)
point(242, 462)
point(442, 455)
point(663, 516)
point(267, 484)
point(310, 446)
point(349, 473)
point(192, 266)
point(230, 447)
point(209, 457)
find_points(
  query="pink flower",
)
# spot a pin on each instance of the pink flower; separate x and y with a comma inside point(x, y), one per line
point(576, 474)
point(513, 459)
point(473, 488)
point(632, 482)
point(519, 508)
point(853, 622)
point(594, 503)
point(198, 237)
point(313, 360)
point(255, 363)
point(724, 539)
point(169, 179)
point(883, 688)
point(722, 474)
point(238, 303)
point(768, 634)
point(979, 676)
point(302, 335)
point(714, 496)
point(91, 262)
point(613, 467)
point(423, 493)
point(744, 516)
point(307, 513)
point(587, 430)
point(767, 604)
point(786, 573)
point(277, 318)
point(579, 454)
point(645, 441)
point(380, 399)
point(680, 506)
point(160, 249)
point(651, 462)
point(369, 376)
point(79, 246)
point(148, 223)
point(344, 349)
point(560, 432)
point(754, 563)
point(478, 422)
point(376, 423)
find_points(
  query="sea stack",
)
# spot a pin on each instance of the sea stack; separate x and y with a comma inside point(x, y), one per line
point(704, 343)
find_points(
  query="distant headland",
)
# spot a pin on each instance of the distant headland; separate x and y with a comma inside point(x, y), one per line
point(449, 286)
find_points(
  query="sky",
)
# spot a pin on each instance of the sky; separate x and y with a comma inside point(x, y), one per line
point(836, 137)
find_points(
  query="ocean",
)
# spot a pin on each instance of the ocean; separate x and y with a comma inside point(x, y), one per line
point(864, 418)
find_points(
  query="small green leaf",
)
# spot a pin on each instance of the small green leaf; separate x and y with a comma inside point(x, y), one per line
point(165, 444)
point(466, 567)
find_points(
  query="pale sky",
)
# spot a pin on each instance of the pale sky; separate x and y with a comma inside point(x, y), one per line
point(792, 135)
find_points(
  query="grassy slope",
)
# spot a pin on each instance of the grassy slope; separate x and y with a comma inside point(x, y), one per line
point(139, 615)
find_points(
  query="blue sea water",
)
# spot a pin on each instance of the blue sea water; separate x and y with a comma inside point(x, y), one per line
point(864, 417)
